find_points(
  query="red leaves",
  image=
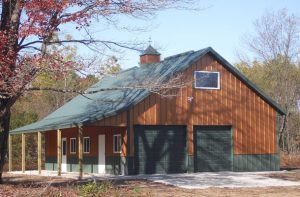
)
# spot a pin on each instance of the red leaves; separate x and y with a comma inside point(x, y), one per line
point(42, 17)
point(12, 81)
point(21, 56)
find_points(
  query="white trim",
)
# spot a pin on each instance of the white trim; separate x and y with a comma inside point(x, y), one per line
point(73, 138)
point(114, 143)
point(101, 154)
point(208, 88)
point(64, 157)
point(89, 144)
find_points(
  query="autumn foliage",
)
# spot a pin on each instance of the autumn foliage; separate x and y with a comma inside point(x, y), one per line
point(29, 27)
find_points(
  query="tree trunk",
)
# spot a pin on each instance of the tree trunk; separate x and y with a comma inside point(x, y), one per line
point(9, 24)
point(4, 132)
point(282, 130)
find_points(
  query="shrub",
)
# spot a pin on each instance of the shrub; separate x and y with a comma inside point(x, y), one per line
point(137, 190)
point(94, 189)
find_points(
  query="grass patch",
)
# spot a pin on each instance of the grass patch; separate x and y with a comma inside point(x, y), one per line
point(94, 189)
point(137, 190)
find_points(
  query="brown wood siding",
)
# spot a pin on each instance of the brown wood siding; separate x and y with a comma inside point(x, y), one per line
point(235, 104)
point(92, 132)
point(253, 120)
point(118, 120)
point(50, 143)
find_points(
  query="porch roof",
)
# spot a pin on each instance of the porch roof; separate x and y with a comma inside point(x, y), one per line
point(84, 109)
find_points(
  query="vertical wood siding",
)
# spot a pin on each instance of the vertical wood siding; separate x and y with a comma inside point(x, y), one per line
point(253, 120)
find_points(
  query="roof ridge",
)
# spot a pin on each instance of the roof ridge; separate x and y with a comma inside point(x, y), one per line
point(128, 69)
point(177, 55)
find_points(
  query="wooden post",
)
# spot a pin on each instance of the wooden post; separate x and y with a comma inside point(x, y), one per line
point(80, 151)
point(40, 152)
point(59, 152)
point(23, 153)
point(10, 153)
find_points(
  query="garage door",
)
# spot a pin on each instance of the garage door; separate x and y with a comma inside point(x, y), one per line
point(213, 148)
point(160, 149)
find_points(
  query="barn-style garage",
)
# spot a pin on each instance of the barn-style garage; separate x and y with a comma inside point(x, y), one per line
point(160, 149)
point(218, 121)
point(213, 148)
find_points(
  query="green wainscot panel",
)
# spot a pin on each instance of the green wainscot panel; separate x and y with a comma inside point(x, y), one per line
point(51, 163)
point(72, 164)
point(90, 164)
point(113, 165)
point(256, 162)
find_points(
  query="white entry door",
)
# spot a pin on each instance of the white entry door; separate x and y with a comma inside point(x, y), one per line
point(101, 154)
point(64, 154)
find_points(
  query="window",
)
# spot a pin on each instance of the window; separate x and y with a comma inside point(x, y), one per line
point(86, 145)
point(72, 145)
point(117, 143)
point(207, 80)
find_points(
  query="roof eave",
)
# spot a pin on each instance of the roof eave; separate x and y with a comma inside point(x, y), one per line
point(44, 129)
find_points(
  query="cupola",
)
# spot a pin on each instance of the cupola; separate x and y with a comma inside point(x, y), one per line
point(149, 56)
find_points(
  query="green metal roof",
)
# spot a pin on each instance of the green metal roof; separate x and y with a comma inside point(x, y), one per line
point(84, 109)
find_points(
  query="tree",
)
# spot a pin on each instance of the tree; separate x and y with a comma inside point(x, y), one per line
point(28, 109)
point(27, 28)
point(276, 34)
point(275, 46)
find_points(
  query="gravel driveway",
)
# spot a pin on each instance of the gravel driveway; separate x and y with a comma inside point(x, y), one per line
point(221, 179)
point(201, 180)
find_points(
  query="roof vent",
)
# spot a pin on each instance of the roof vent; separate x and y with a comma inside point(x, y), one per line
point(149, 56)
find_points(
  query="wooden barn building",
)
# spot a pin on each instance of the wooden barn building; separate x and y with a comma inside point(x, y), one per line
point(220, 122)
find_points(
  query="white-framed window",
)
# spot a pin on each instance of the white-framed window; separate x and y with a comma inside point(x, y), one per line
point(73, 145)
point(117, 143)
point(207, 80)
point(86, 145)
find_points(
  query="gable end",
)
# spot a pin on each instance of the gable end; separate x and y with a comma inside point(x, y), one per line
point(245, 80)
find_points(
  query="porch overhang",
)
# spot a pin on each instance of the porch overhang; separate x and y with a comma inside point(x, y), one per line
point(52, 124)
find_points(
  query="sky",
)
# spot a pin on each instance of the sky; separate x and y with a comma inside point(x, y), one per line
point(221, 25)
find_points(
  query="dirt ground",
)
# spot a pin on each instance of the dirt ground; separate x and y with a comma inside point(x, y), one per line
point(25, 185)
point(289, 161)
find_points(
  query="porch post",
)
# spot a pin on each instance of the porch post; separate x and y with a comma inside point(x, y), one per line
point(58, 152)
point(23, 152)
point(39, 152)
point(80, 151)
point(10, 153)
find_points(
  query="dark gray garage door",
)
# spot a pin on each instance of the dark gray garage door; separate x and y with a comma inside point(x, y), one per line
point(213, 148)
point(160, 149)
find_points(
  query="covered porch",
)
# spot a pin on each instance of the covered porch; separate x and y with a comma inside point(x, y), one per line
point(81, 149)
